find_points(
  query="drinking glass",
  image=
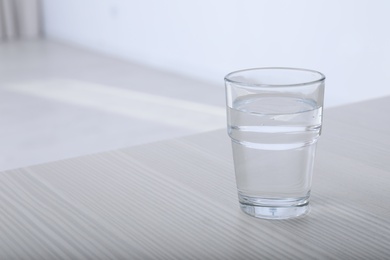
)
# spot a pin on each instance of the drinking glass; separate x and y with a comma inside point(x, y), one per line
point(274, 118)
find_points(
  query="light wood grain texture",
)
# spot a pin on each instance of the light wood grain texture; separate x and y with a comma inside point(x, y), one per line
point(177, 199)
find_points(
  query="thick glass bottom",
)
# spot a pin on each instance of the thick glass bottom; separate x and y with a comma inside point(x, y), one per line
point(267, 208)
point(275, 212)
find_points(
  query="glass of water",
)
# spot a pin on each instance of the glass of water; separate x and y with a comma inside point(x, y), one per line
point(274, 118)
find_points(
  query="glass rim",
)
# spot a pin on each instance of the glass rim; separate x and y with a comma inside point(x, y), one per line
point(246, 84)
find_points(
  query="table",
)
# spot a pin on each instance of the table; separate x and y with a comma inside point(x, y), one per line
point(177, 199)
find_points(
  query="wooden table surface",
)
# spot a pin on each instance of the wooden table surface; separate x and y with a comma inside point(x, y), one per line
point(177, 199)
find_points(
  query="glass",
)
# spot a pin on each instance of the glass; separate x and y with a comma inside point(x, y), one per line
point(274, 118)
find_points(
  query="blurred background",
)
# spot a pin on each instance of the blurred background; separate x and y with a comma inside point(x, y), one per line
point(84, 76)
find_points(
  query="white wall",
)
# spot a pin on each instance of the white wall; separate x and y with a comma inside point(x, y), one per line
point(347, 40)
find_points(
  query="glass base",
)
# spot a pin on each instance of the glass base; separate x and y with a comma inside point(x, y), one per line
point(275, 212)
point(275, 208)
